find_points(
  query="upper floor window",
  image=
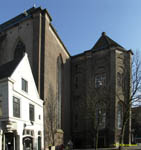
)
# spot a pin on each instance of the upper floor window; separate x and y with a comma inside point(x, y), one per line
point(59, 101)
point(16, 107)
point(31, 112)
point(100, 80)
point(119, 79)
point(119, 115)
point(101, 116)
point(24, 85)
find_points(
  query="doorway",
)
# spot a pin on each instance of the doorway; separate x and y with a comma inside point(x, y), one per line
point(39, 143)
point(28, 143)
point(9, 141)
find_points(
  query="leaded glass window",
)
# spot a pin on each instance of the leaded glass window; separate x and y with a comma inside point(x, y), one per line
point(100, 80)
point(100, 115)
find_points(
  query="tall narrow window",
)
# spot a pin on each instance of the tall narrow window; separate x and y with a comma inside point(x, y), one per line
point(119, 115)
point(16, 107)
point(59, 66)
point(101, 115)
point(19, 50)
point(100, 80)
point(24, 85)
point(31, 112)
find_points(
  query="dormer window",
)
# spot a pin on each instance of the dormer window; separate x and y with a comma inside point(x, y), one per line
point(24, 85)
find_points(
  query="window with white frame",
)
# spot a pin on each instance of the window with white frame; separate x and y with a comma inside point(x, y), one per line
point(31, 112)
point(16, 107)
point(100, 80)
point(24, 85)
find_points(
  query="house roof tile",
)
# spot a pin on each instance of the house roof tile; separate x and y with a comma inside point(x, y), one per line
point(7, 69)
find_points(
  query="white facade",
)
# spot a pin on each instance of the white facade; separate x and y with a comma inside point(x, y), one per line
point(17, 119)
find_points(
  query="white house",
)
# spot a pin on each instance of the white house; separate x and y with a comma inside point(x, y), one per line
point(21, 109)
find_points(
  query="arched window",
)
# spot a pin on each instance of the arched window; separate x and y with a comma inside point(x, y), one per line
point(119, 115)
point(59, 102)
point(100, 115)
point(19, 50)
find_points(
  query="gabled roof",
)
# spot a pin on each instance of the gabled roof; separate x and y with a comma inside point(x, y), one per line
point(7, 69)
point(105, 42)
point(23, 16)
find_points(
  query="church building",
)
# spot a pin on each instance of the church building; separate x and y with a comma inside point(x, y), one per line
point(76, 90)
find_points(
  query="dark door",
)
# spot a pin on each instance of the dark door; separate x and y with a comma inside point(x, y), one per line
point(28, 143)
point(9, 141)
point(39, 143)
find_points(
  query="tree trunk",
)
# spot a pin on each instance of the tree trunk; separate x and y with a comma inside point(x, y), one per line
point(96, 141)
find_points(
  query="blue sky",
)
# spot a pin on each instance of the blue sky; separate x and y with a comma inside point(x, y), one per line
point(80, 23)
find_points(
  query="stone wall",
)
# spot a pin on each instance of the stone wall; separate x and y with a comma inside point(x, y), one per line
point(43, 46)
point(85, 67)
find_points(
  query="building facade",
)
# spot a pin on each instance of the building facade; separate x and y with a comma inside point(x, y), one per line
point(99, 90)
point(136, 124)
point(32, 32)
point(71, 83)
point(21, 118)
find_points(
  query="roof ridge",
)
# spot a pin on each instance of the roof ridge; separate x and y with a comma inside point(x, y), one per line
point(106, 38)
point(105, 42)
point(20, 17)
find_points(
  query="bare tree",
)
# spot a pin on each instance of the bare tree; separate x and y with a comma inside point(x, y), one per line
point(133, 81)
point(50, 117)
point(131, 86)
point(96, 108)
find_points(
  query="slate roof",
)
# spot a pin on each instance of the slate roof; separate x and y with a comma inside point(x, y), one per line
point(7, 69)
point(23, 16)
point(105, 42)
